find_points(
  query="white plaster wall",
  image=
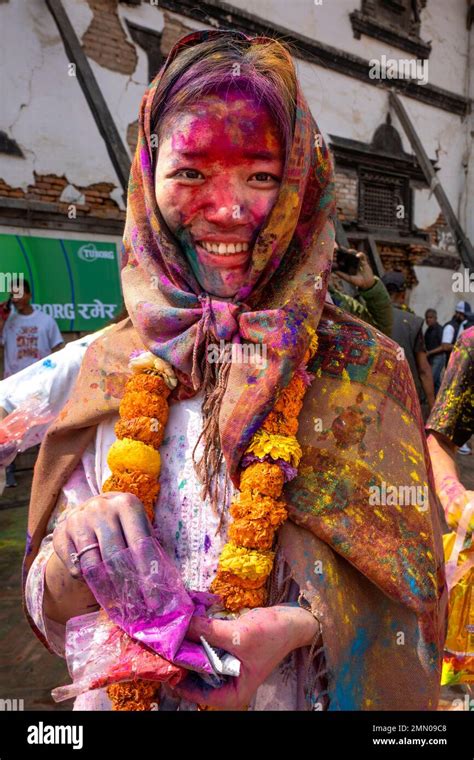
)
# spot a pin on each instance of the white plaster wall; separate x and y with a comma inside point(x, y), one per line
point(435, 291)
point(442, 21)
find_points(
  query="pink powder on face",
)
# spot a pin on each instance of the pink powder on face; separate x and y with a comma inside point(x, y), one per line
point(222, 145)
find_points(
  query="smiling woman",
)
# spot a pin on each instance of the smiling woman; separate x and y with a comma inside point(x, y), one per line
point(229, 239)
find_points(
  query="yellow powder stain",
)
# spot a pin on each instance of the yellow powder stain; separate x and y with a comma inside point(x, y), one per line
point(412, 450)
point(371, 407)
point(381, 454)
point(379, 514)
point(406, 419)
point(429, 555)
point(412, 459)
point(414, 475)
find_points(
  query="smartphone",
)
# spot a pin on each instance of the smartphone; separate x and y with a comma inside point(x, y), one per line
point(346, 261)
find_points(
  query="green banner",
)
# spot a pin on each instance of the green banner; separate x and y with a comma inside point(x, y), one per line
point(77, 282)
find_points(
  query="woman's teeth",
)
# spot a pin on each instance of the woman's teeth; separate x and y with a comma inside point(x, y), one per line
point(224, 249)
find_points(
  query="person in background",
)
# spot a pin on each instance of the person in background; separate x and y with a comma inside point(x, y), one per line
point(451, 425)
point(372, 303)
point(407, 332)
point(433, 340)
point(469, 320)
point(26, 335)
point(453, 329)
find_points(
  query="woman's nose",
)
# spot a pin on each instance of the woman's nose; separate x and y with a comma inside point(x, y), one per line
point(225, 214)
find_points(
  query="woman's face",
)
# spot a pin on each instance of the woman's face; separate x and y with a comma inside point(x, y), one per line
point(218, 173)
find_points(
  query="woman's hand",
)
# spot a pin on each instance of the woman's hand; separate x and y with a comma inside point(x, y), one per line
point(113, 520)
point(260, 639)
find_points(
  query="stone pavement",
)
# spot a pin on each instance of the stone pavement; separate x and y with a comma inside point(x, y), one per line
point(27, 670)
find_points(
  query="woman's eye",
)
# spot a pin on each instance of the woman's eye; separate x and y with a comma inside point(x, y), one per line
point(264, 177)
point(189, 174)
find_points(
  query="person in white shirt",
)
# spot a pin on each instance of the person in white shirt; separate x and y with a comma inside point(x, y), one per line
point(26, 335)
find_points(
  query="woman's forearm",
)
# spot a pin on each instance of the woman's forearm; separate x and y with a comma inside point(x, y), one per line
point(65, 597)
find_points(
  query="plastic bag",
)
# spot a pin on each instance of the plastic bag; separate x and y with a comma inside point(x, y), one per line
point(458, 663)
point(17, 428)
point(141, 591)
point(99, 653)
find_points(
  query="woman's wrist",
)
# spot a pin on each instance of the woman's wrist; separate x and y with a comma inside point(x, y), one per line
point(299, 623)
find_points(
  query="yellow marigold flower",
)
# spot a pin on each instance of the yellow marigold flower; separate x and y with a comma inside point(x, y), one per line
point(145, 429)
point(127, 454)
point(277, 446)
point(236, 598)
point(245, 563)
point(264, 477)
point(148, 383)
point(143, 404)
point(253, 534)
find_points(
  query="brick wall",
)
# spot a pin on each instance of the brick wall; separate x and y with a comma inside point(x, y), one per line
point(105, 40)
point(49, 187)
point(346, 194)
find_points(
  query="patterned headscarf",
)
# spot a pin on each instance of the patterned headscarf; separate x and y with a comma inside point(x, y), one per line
point(285, 289)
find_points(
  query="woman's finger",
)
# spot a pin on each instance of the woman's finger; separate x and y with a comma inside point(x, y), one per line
point(218, 633)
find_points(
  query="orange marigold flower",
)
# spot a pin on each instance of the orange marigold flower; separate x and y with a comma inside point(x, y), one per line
point(265, 477)
point(280, 424)
point(234, 580)
point(253, 534)
point(145, 487)
point(235, 598)
point(143, 404)
point(254, 506)
point(290, 400)
point(138, 695)
point(143, 381)
point(145, 429)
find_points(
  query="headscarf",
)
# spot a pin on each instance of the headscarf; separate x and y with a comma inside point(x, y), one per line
point(284, 290)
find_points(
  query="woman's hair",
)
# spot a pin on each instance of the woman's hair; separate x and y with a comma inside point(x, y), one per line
point(263, 70)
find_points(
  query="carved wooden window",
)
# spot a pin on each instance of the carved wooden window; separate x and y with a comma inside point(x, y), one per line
point(384, 200)
point(396, 22)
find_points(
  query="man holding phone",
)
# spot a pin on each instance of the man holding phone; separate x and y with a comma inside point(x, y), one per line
point(372, 304)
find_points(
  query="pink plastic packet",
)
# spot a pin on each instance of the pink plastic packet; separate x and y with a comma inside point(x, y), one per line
point(15, 426)
point(99, 653)
point(141, 591)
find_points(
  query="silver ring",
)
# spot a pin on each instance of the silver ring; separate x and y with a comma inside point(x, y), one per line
point(75, 556)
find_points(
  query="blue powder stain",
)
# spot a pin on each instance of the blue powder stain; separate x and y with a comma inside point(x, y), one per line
point(180, 528)
point(349, 680)
point(183, 483)
point(207, 543)
point(49, 364)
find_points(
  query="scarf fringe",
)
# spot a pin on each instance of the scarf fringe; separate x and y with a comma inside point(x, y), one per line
point(315, 682)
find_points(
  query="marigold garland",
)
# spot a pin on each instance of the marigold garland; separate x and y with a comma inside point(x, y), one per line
point(246, 560)
point(135, 466)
